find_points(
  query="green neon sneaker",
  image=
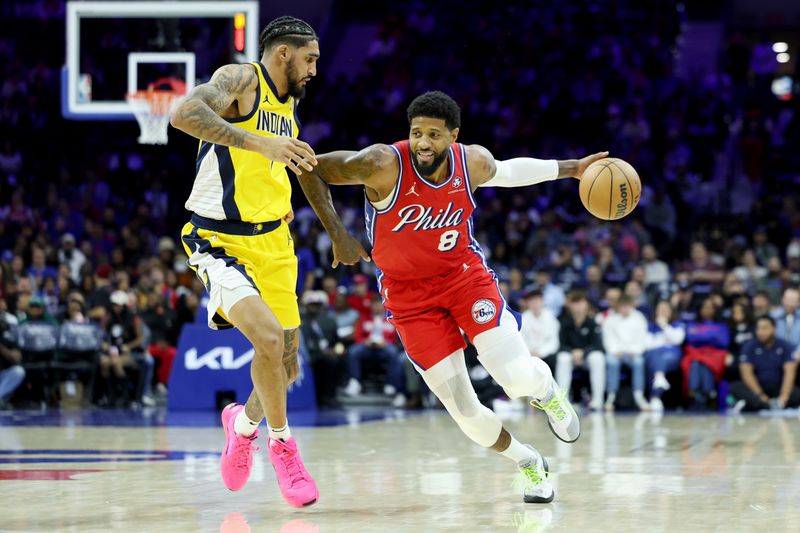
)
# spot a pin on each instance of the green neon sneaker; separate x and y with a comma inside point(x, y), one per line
point(561, 417)
point(533, 480)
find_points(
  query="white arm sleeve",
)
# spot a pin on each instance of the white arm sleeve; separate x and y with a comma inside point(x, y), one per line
point(523, 171)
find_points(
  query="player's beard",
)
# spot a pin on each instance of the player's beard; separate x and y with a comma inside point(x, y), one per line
point(295, 89)
point(427, 170)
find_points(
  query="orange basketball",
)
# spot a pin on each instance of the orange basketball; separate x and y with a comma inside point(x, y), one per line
point(610, 188)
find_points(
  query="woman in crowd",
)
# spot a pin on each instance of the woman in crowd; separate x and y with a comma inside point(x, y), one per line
point(703, 363)
point(663, 355)
point(741, 329)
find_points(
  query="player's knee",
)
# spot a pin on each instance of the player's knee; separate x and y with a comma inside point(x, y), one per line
point(564, 358)
point(481, 425)
point(268, 346)
point(474, 419)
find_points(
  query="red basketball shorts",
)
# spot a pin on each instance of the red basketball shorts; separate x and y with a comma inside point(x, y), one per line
point(430, 314)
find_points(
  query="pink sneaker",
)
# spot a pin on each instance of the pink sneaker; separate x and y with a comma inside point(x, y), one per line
point(237, 457)
point(297, 485)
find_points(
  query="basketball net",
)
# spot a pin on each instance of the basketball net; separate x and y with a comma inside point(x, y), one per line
point(152, 108)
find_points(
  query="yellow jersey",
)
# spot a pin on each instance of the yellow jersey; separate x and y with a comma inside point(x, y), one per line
point(235, 184)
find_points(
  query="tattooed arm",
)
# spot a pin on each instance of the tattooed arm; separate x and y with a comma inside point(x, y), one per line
point(375, 167)
point(291, 341)
point(200, 115)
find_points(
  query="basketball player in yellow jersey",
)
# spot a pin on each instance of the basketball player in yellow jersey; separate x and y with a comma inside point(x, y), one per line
point(238, 240)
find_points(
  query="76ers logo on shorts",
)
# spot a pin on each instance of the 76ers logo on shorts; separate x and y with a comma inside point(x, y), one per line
point(483, 311)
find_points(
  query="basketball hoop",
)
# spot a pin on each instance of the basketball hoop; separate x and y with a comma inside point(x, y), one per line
point(152, 108)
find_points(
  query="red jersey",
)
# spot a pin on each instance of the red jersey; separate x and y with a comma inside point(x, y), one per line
point(426, 230)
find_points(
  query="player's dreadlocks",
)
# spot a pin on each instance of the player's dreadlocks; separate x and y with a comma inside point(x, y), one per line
point(436, 104)
point(286, 30)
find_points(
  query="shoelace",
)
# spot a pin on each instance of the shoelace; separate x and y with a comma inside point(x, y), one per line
point(241, 452)
point(291, 462)
point(528, 478)
point(554, 406)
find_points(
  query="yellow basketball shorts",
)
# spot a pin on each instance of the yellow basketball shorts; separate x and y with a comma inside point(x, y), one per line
point(230, 254)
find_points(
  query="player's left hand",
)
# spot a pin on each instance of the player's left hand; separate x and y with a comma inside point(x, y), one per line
point(584, 162)
point(348, 251)
point(288, 217)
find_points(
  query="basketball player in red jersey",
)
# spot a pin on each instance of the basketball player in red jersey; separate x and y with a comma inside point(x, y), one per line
point(433, 276)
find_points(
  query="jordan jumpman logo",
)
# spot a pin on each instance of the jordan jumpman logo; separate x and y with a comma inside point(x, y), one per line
point(412, 191)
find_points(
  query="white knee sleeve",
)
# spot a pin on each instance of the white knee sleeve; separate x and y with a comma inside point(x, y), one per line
point(503, 353)
point(450, 383)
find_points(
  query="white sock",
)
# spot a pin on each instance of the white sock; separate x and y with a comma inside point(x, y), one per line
point(244, 426)
point(283, 433)
point(517, 451)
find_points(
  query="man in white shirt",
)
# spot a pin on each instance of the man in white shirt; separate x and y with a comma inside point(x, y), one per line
point(540, 328)
point(71, 256)
point(787, 318)
point(656, 272)
point(624, 339)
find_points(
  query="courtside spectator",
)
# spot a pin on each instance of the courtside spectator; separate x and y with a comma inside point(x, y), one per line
point(540, 328)
point(376, 339)
point(768, 371)
point(325, 350)
point(703, 363)
point(161, 322)
point(624, 340)
point(581, 347)
point(663, 355)
point(123, 349)
point(12, 374)
point(741, 328)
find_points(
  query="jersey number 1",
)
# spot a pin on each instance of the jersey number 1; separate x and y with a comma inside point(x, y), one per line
point(448, 240)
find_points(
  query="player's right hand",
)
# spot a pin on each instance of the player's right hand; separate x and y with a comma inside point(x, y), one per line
point(294, 153)
point(347, 250)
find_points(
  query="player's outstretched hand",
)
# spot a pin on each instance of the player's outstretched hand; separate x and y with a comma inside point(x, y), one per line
point(348, 251)
point(294, 153)
point(584, 162)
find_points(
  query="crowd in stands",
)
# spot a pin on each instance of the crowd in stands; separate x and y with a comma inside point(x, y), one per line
point(673, 299)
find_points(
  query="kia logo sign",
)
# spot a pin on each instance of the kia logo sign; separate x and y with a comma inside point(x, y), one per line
point(220, 358)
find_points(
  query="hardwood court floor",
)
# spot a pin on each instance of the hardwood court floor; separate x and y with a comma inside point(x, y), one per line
point(401, 472)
